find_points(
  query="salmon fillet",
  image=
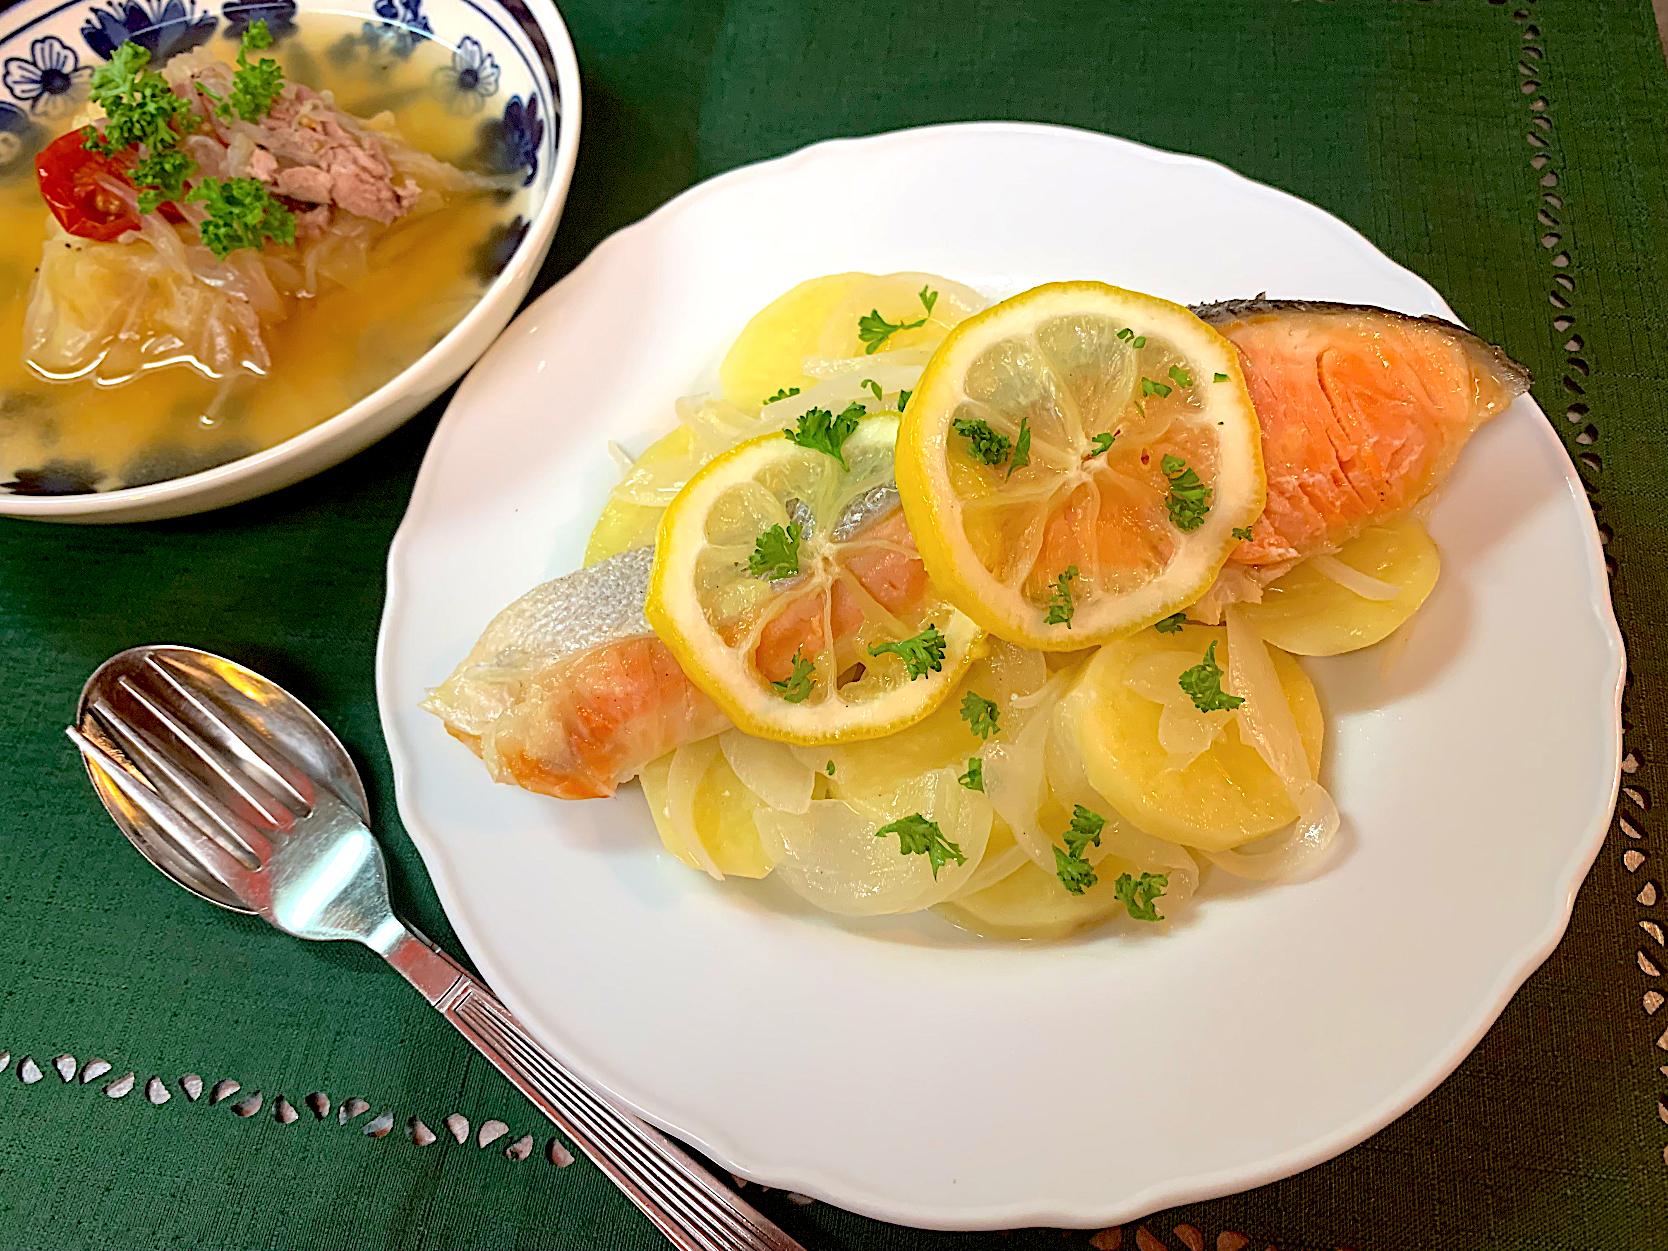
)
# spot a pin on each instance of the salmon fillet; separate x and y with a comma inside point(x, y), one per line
point(1363, 413)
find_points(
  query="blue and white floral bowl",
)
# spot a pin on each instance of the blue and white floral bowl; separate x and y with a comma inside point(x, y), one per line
point(511, 62)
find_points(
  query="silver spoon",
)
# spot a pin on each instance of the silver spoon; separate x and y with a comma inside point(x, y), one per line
point(233, 788)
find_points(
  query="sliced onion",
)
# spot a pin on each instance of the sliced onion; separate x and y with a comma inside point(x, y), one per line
point(770, 770)
point(1184, 732)
point(832, 857)
point(689, 766)
point(1362, 584)
point(895, 371)
point(1266, 722)
point(992, 869)
point(623, 459)
point(1016, 768)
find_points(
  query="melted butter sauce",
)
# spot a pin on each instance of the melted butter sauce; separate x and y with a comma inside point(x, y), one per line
point(331, 351)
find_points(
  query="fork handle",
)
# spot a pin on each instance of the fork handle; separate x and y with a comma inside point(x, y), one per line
point(695, 1210)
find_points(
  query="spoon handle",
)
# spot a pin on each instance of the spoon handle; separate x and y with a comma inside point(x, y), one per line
point(692, 1208)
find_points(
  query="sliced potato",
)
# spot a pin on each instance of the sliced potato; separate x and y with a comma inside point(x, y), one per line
point(624, 525)
point(1310, 614)
point(1031, 903)
point(721, 817)
point(1226, 795)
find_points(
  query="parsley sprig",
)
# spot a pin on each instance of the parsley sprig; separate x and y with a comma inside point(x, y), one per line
point(776, 553)
point(984, 442)
point(981, 714)
point(141, 111)
point(242, 214)
point(873, 329)
point(1149, 387)
point(922, 654)
point(1242, 533)
point(782, 393)
point(821, 431)
point(1171, 624)
point(254, 87)
point(1189, 498)
point(1073, 869)
point(1060, 607)
point(974, 778)
point(918, 836)
point(1102, 444)
point(796, 687)
point(1203, 685)
point(1137, 894)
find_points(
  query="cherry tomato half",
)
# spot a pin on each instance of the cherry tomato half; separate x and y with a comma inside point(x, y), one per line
point(71, 184)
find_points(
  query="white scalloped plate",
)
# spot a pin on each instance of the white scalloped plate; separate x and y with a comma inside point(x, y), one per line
point(898, 1067)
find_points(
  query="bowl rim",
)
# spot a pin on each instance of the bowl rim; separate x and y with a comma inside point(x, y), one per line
point(517, 275)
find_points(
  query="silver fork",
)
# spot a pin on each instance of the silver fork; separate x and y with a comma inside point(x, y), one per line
point(229, 784)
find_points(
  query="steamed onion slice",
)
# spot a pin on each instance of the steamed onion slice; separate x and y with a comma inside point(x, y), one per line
point(1266, 722)
point(832, 857)
point(1362, 584)
point(770, 770)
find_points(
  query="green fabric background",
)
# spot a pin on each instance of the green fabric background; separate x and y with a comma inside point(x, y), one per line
point(1411, 121)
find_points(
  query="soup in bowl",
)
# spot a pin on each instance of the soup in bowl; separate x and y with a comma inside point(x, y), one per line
point(238, 245)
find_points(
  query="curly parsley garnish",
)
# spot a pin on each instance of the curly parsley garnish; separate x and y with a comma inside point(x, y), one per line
point(974, 778)
point(873, 388)
point(903, 399)
point(1149, 387)
point(921, 655)
point(1022, 447)
point(1171, 624)
point(1137, 894)
point(1220, 378)
point(874, 330)
point(775, 553)
point(981, 714)
point(821, 431)
point(141, 111)
point(1074, 871)
point(1180, 376)
point(1102, 444)
point(918, 836)
point(1242, 533)
point(1134, 340)
point(242, 214)
point(1060, 606)
point(796, 687)
point(254, 87)
point(1203, 685)
point(782, 393)
point(983, 442)
point(1189, 498)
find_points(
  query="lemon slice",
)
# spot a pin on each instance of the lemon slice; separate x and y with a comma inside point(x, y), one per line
point(1075, 460)
point(845, 640)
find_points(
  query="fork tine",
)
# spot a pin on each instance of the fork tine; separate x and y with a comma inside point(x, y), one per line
point(265, 807)
point(177, 787)
point(188, 838)
point(280, 775)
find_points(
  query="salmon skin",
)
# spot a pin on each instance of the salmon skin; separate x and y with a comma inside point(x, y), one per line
point(1363, 413)
point(569, 692)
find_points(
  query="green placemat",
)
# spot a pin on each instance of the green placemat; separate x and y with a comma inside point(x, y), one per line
point(1515, 158)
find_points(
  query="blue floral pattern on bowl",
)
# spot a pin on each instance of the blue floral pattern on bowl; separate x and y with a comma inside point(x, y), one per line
point(19, 138)
point(162, 27)
point(510, 144)
point(51, 80)
point(279, 16)
point(472, 77)
point(403, 25)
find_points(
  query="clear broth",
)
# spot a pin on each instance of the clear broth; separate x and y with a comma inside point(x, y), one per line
point(332, 350)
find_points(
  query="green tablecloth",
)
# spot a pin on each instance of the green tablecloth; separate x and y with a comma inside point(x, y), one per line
point(1516, 159)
